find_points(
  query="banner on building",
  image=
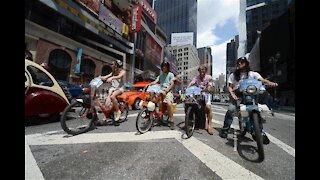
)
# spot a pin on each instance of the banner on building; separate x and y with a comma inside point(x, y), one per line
point(135, 21)
point(79, 55)
point(110, 19)
point(180, 39)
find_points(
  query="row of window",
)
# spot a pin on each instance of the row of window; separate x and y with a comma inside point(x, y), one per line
point(60, 64)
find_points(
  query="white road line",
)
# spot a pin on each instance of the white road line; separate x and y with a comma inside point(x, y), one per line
point(282, 145)
point(31, 171)
point(217, 162)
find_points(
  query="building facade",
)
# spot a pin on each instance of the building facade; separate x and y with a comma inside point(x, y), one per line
point(188, 61)
point(64, 34)
point(259, 13)
point(232, 54)
point(205, 57)
point(177, 16)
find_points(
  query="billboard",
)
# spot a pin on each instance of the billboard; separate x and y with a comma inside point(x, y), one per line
point(180, 39)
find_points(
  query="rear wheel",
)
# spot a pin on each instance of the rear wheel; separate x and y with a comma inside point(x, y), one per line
point(144, 121)
point(74, 119)
point(190, 121)
point(258, 135)
point(123, 107)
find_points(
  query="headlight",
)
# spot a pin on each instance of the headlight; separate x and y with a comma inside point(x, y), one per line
point(251, 89)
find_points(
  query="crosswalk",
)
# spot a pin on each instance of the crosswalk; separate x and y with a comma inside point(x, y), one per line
point(217, 162)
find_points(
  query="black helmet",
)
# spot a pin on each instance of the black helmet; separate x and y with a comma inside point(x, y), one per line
point(119, 63)
point(243, 60)
point(165, 63)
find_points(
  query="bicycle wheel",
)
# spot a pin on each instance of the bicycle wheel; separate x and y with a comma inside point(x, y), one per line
point(190, 121)
point(124, 108)
point(73, 119)
point(144, 121)
point(258, 135)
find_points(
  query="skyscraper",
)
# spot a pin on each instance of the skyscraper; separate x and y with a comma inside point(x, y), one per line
point(206, 58)
point(177, 16)
point(259, 13)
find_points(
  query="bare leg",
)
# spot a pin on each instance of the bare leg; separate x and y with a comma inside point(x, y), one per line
point(209, 119)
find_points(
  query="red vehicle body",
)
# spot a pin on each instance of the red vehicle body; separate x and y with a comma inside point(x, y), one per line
point(137, 93)
point(44, 97)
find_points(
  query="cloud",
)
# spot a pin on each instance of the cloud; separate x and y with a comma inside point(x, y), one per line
point(213, 15)
point(219, 59)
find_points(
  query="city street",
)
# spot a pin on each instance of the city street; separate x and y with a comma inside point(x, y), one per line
point(119, 152)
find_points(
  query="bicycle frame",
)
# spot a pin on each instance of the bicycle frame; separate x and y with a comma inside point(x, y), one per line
point(107, 112)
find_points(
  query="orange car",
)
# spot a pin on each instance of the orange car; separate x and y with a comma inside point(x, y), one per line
point(135, 94)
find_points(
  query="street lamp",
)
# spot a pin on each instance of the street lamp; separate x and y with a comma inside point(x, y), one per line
point(274, 60)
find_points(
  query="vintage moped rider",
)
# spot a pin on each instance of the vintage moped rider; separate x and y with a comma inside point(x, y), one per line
point(242, 72)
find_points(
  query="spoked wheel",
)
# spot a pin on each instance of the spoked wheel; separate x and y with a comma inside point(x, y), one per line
point(190, 121)
point(124, 111)
point(144, 121)
point(258, 135)
point(76, 119)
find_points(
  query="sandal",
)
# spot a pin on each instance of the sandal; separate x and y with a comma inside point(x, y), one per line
point(210, 131)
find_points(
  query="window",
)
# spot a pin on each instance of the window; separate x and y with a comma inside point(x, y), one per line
point(39, 77)
point(186, 53)
point(185, 58)
point(186, 49)
point(174, 51)
point(59, 64)
point(180, 50)
point(179, 54)
point(185, 63)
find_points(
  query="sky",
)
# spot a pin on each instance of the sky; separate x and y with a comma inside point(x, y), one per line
point(217, 24)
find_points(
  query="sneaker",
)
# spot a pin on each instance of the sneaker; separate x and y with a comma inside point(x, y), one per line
point(210, 131)
point(117, 115)
point(223, 134)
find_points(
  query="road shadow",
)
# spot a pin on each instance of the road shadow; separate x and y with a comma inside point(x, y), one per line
point(244, 148)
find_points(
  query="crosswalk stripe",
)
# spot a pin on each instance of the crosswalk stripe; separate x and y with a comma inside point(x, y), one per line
point(217, 162)
point(214, 160)
point(31, 171)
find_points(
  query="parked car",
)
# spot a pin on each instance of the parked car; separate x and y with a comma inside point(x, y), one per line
point(135, 94)
point(44, 98)
point(73, 89)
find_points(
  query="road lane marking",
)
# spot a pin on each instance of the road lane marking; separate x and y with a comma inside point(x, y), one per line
point(282, 145)
point(217, 162)
point(214, 160)
point(32, 170)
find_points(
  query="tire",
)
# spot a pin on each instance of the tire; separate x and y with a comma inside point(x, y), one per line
point(136, 104)
point(258, 135)
point(190, 121)
point(72, 122)
point(144, 121)
point(124, 111)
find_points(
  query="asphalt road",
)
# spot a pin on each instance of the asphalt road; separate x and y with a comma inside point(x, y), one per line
point(119, 152)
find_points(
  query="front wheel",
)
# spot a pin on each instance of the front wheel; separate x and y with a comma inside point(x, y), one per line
point(76, 119)
point(144, 121)
point(258, 136)
point(190, 121)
